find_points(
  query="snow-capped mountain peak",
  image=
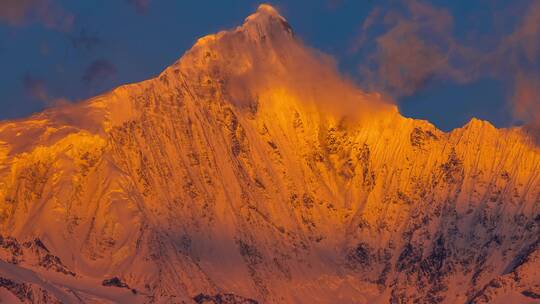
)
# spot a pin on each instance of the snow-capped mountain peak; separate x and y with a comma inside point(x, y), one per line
point(250, 171)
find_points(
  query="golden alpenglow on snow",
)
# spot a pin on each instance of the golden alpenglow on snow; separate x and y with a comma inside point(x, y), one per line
point(252, 171)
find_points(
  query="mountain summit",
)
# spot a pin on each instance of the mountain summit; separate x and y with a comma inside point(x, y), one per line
point(250, 171)
point(268, 20)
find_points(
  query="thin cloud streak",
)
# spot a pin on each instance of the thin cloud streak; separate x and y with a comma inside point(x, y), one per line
point(45, 12)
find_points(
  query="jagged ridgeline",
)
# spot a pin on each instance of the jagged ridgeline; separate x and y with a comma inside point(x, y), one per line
point(249, 171)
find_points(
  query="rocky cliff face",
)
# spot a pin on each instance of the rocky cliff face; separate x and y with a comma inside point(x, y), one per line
point(250, 172)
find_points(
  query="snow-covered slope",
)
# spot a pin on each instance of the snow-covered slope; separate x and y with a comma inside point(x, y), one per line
point(250, 171)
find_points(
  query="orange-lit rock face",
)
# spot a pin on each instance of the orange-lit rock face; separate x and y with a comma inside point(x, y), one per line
point(251, 167)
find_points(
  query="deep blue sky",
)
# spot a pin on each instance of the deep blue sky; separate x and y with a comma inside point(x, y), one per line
point(74, 49)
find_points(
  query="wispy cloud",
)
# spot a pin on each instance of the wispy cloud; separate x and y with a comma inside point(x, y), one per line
point(526, 97)
point(85, 40)
point(285, 68)
point(36, 89)
point(416, 43)
point(46, 12)
point(334, 4)
point(415, 47)
point(521, 51)
point(140, 6)
point(98, 70)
